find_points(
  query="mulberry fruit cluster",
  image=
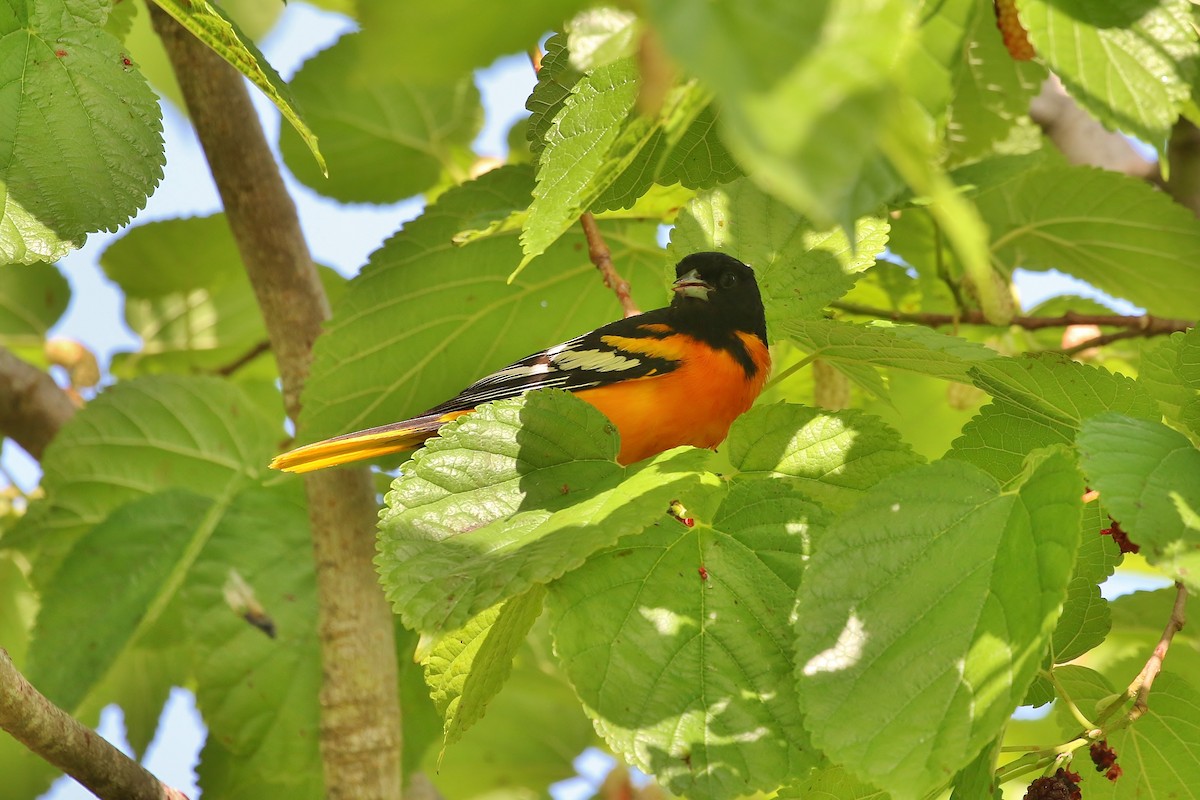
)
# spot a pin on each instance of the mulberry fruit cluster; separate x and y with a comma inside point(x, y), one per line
point(1016, 38)
point(1062, 785)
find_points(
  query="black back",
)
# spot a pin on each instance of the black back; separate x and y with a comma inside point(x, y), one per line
point(587, 361)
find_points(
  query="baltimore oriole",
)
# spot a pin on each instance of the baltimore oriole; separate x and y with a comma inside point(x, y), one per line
point(673, 376)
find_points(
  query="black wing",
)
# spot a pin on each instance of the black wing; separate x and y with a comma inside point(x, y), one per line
point(584, 362)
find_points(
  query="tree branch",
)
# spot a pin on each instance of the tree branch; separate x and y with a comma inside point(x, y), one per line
point(360, 714)
point(32, 406)
point(1142, 325)
point(69, 745)
point(1082, 138)
point(599, 253)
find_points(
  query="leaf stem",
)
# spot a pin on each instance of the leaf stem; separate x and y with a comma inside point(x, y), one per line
point(1061, 691)
point(787, 373)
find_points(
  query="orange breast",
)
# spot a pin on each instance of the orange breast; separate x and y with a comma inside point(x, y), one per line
point(693, 404)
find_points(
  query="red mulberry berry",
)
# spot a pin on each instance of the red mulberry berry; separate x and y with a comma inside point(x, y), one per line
point(1016, 38)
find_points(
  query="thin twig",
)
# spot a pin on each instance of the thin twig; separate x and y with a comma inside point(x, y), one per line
point(599, 254)
point(1066, 699)
point(1144, 325)
point(245, 358)
point(787, 373)
point(69, 745)
point(1145, 678)
point(1139, 689)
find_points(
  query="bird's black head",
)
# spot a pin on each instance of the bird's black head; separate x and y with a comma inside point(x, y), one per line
point(716, 291)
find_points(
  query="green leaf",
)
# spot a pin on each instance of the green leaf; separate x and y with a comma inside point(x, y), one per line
point(386, 137)
point(258, 695)
point(555, 80)
point(600, 153)
point(1170, 370)
point(528, 741)
point(32, 298)
point(858, 349)
point(677, 641)
point(1058, 389)
point(799, 267)
point(678, 156)
point(1039, 402)
point(1129, 64)
point(429, 41)
point(914, 154)
point(188, 297)
point(596, 152)
point(991, 94)
point(515, 495)
point(211, 24)
point(1115, 232)
point(1099, 556)
point(977, 780)
point(1161, 753)
point(1086, 688)
point(255, 18)
point(599, 36)
point(1086, 618)
point(803, 109)
point(835, 456)
point(1149, 478)
point(422, 724)
point(120, 19)
point(140, 682)
point(468, 666)
point(924, 615)
point(173, 256)
point(831, 783)
point(461, 319)
point(25, 773)
point(138, 438)
point(80, 131)
point(1084, 623)
point(131, 565)
point(938, 54)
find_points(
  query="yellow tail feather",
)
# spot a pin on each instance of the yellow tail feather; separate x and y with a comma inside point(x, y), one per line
point(371, 443)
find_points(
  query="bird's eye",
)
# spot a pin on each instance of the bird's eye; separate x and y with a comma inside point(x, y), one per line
point(728, 280)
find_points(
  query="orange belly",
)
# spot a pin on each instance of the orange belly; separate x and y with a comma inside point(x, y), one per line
point(694, 404)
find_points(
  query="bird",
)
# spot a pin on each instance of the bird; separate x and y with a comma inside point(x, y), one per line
point(677, 375)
